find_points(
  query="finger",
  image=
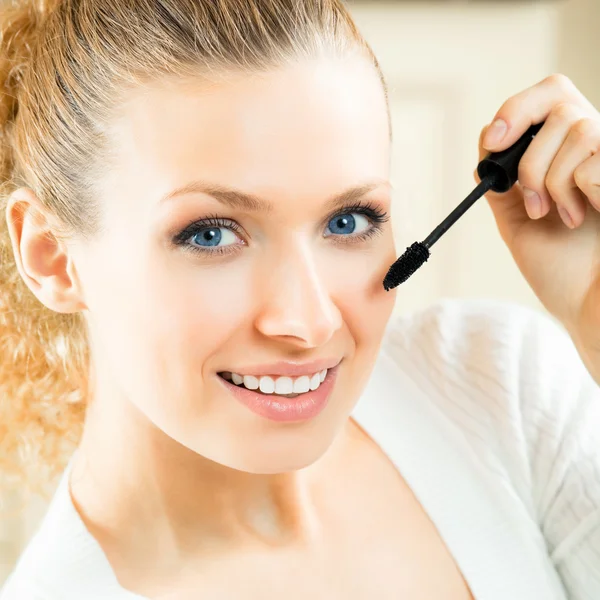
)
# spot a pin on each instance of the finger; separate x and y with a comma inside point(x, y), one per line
point(508, 208)
point(587, 178)
point(482, 151)
point(533, 106)
point(539, 157)
point(582, 142)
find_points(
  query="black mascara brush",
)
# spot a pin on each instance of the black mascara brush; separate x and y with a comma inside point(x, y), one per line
point(498, 172)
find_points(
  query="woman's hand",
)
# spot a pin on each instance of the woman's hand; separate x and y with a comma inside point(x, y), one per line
point(550, 219)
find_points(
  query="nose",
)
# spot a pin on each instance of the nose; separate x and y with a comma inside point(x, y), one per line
point(297, 305)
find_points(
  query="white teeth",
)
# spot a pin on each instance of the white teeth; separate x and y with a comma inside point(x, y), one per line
point(302, 385)
point(284, 385)
point(315, 381)
point(250, 382)
point(267, 385)
point(280, 385)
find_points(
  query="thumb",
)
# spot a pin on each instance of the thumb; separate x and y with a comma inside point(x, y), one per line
point(508, 208)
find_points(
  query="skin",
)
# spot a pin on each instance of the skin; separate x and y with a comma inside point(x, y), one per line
point(168, 457)
point(171, 471)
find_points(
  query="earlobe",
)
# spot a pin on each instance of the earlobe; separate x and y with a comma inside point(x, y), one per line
point(41, 259)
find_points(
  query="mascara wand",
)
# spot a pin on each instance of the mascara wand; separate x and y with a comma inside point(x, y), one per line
point(498, 172)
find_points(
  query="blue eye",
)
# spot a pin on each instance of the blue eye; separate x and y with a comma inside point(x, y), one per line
point(348, 223)
point(211, 237)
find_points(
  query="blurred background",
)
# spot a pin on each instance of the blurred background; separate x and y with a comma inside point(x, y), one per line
point(449, 65)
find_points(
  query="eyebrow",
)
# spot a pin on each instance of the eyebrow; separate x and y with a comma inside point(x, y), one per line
point(248, 202)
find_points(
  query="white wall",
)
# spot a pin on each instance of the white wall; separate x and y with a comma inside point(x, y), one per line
point(578, 44)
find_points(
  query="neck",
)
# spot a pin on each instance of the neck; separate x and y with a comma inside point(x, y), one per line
point(133, 484)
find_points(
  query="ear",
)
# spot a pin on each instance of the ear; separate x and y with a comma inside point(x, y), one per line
point(43, 260)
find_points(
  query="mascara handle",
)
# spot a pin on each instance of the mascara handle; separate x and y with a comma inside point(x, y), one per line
point(502, 168)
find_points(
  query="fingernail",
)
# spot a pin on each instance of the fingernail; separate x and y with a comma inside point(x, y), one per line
point(533, 203)
point(495, 133)
point(565, 216)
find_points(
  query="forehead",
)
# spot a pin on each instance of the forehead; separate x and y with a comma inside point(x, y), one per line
point(315, 125)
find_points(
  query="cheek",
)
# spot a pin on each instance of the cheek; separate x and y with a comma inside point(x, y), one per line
point(202, 311)
point(193, 312)
point(161, 324)
point(359, 293)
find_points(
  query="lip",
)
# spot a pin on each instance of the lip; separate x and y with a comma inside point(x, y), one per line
point(288, 369)
point(278, 408)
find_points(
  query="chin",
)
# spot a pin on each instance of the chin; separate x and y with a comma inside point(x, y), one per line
point(297, 451)
point(271, 466)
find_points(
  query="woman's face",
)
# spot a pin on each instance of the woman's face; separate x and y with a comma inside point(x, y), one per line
point(254, 265)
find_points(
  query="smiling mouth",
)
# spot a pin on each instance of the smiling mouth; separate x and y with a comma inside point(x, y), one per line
point(286, 387)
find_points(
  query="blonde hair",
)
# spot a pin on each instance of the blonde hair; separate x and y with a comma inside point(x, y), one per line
point(64, 65)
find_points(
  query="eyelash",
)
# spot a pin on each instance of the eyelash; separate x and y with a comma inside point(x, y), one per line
point(374, 213)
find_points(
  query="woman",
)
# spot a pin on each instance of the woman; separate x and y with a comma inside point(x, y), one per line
point(198, 200)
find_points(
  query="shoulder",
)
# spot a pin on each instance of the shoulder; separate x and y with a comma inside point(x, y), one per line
point(464, 325)
point(511, 380)
point(499, 360)
point(33, 576)
point(21, 586)
point(61, 561)
point(504, 349)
